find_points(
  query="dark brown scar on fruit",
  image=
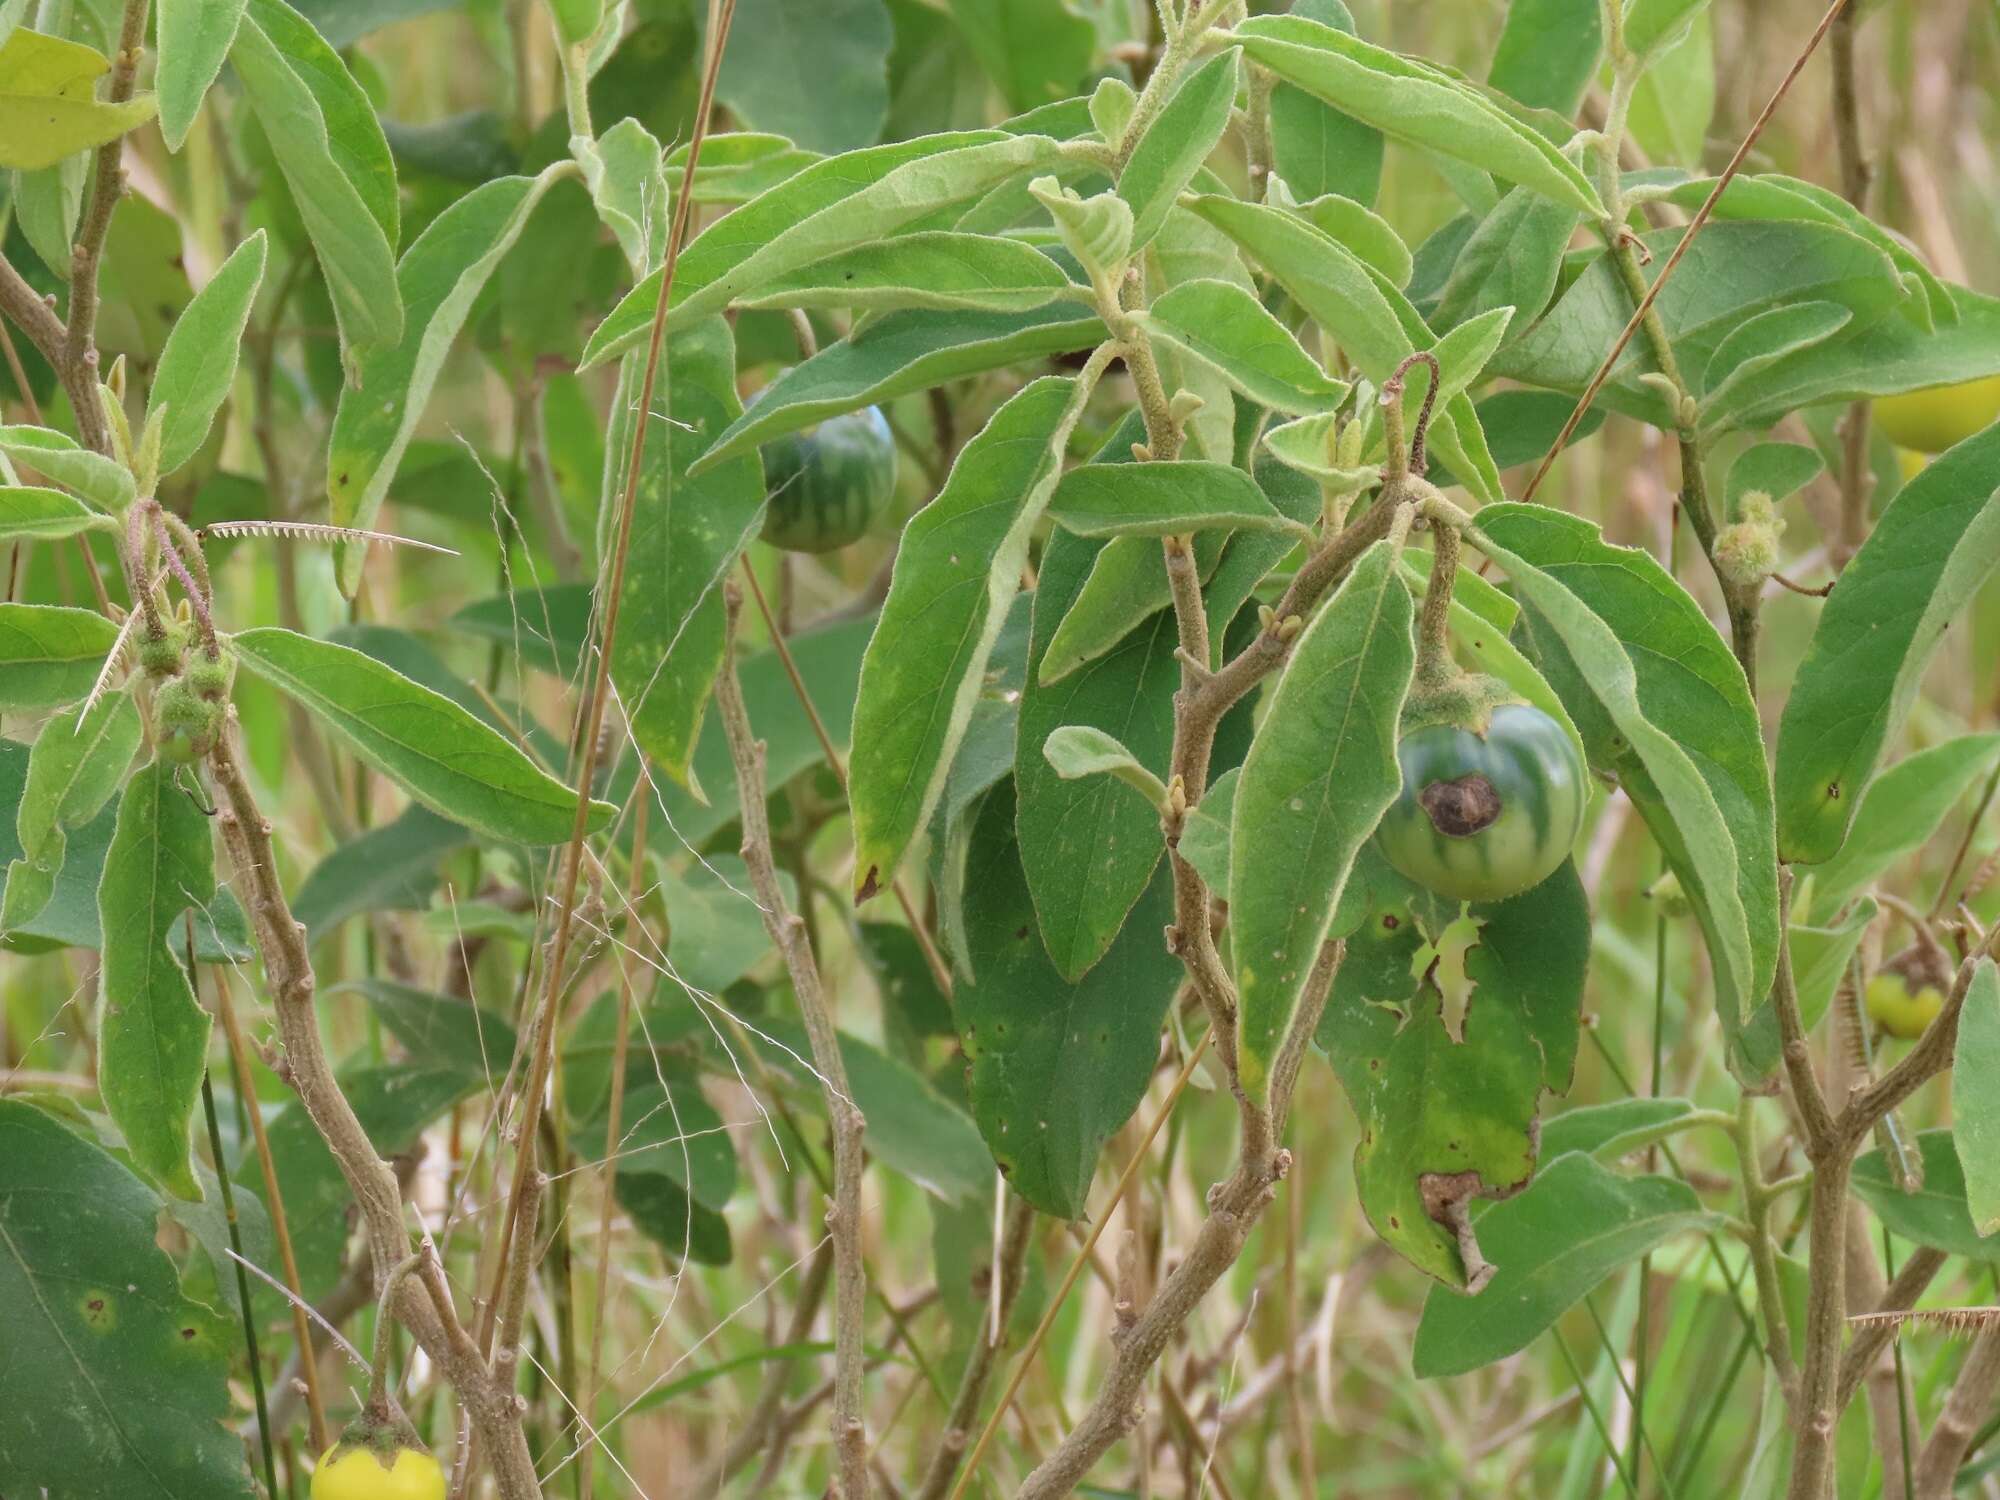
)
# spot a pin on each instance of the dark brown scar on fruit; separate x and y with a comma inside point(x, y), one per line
point(1458, 809)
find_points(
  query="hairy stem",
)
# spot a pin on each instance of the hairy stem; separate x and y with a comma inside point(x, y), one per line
point(788, 935)
point(1968, 1406)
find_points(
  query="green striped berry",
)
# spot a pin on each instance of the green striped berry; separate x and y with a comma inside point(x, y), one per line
point(1482, 817)
point(828, 487)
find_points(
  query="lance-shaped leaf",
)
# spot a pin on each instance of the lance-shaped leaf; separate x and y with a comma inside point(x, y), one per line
point(932, 268)
point(845, 201)
point(1127, 586)
point(153, 1034)
point(1780, 470)
point(739, 164)
point(50, 654)
point(1548, 52)
point(686, 534)
point(1370, 319)
point(898, 353)
point(622, 170)
point(1901, 810)
point(30, 514)
point(440, 277)
point(1054, 1068)
point(199, 361)
point(1077, 751)
point(1937, 1213)
point(116, 1382)
point(1414, 102)
point(1089, 847)
point(1631, 654)
point(194, 38)
point(73, 768)
point(1918, 571)
point(1362, 231)
point(956, 572)
point(1228, 329)
point(1577, 1222)
point(1163, 499)
point(441, 755)
point(1975, 1128)
point(1609, 1131)
point(1448, 1095)
point(1770, 338)
point(1320, 774)
point(48, 103)
point(1167, 156)
point(333, 155)
point(1316, 148)
point(102, 481)
point(1513, 259)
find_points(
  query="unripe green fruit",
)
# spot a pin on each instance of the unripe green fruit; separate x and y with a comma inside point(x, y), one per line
point(829, 486)
point(1484, 815)
point(209, 676)
point(185, 723)
point(160, 655)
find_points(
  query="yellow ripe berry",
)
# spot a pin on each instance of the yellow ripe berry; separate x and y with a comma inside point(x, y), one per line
point(1933, 420)
point(1910, 463)
point(349, 1471)
point(1897, 1011)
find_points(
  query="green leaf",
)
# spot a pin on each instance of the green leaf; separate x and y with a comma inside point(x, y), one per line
point(47, 205)
point(441, 1030)
point(199, 361)
point(1651, 25)
point(717, 929)
point(1820, 959)
point(1035, 51)
point(1249, 556)
point(28, 514)
point(896, 354)
point(1936, 1214)
point(1610, 1130)
point(1156, 499)
point(686, 535)
point(194, 38)
point(1364, 232)
point(116, 1383)
point(1316, 148)
point(388, 868)
point(737, 165)
point(153, 1037)
point(955, 574)
point(935, 268)
point(49, 654)
point(1205, 835)
point(1447, 1094)
point(1548, 52)
point(441, 755)
point(1918, 571)
point(345, 22)
point(48, 104)
point(818, 73)
point(1089, 848)
point(912, 1129)
point(1576, 1224)
point(1899, 813)
point(668, 1129)
point(1055, 1068)
point(69, 919)
point(1975, 1127)
point(1769, 338)
point(1228, 329)
point(1662, 703)
point(1166, 158)
point(102, 481)
point(1778, 469)
point(1513, 258)
point(1673, 104)
point(1127, 586)
point(1320, 774)
point(833, 205)
point(334, 157)
point(1770, 195)
point(1731, 272)
point(1413, 102)
point(1077, 751)
point(622, 168)
point(439, 279)
point(73, 768)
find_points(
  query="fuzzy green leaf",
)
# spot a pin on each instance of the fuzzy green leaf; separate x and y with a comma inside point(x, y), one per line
point(1320, 774)
point(73, 769)
point(1163, 499)
point(1228, 329)
point(199, 361)
point(194, 38)
point(1975, 1128)
point(48, 104)
point(441, 755)
point(50, 654)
